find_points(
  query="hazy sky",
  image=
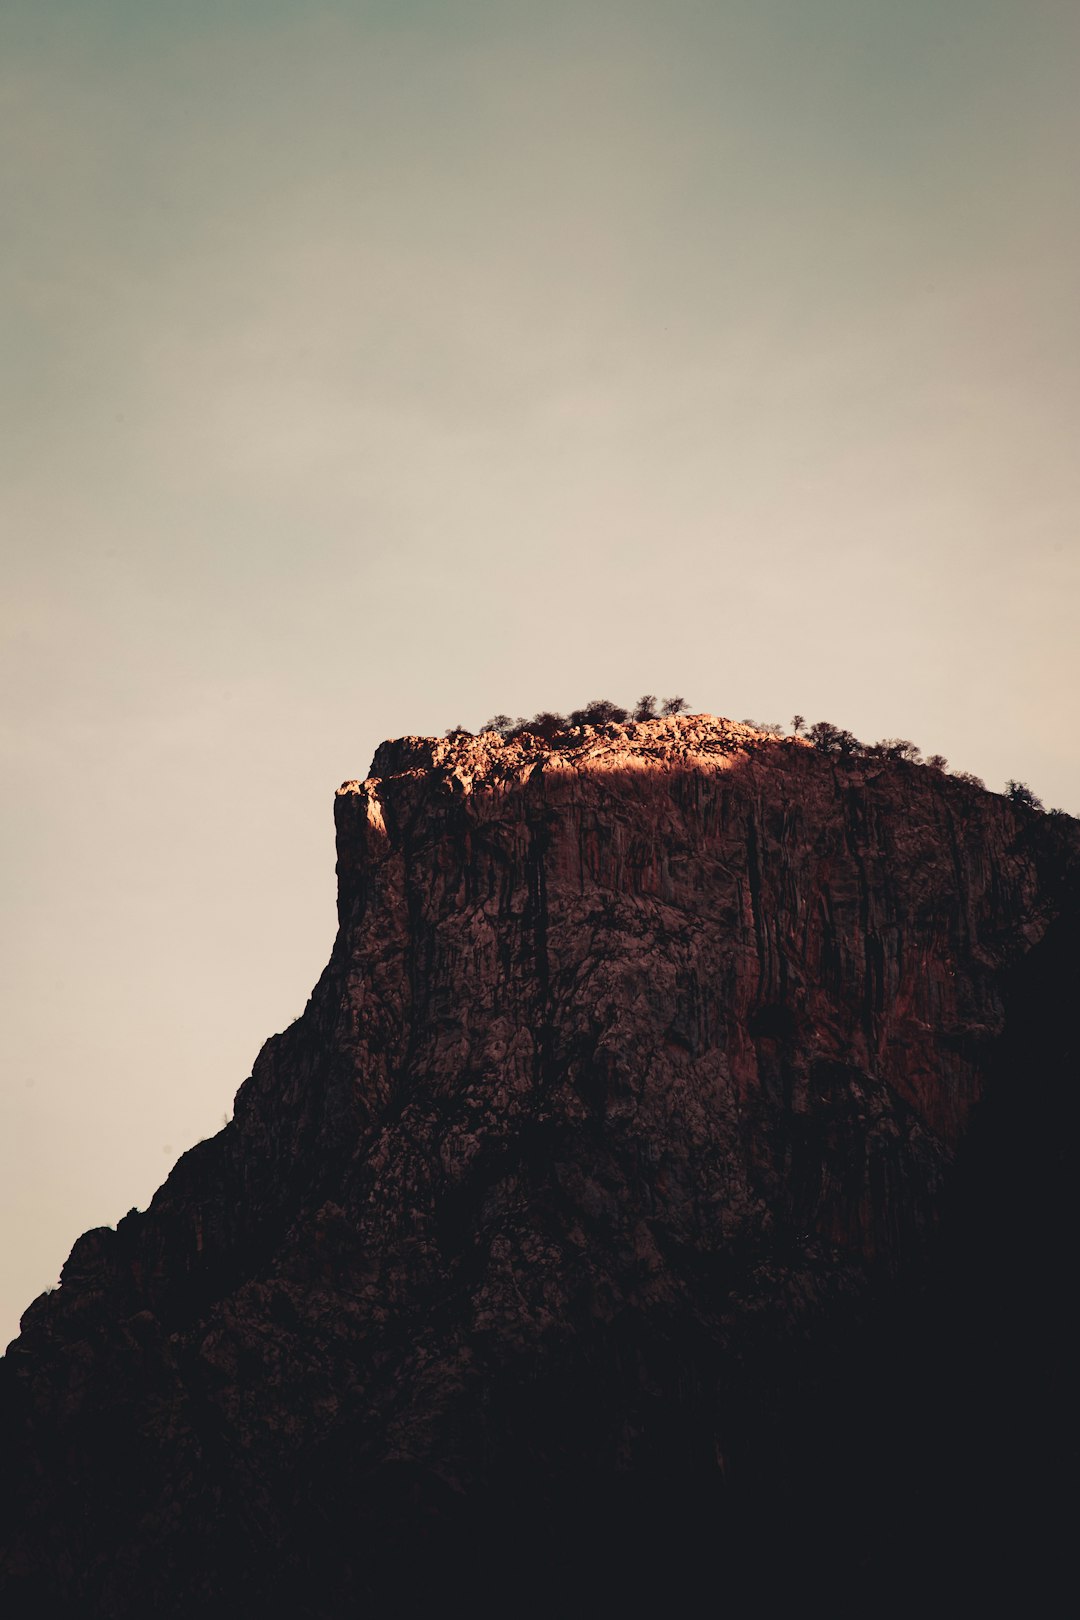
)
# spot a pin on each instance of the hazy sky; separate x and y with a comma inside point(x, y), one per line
point(368, 368)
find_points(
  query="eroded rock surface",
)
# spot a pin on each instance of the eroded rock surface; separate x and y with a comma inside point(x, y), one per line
point(565, 1222)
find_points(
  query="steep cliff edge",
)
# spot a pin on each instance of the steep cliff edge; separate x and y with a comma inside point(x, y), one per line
point(609, 1194)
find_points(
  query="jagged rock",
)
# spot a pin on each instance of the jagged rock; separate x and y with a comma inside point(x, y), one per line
point(582, 1223)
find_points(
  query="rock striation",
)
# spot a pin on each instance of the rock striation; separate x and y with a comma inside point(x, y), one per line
point(622, 1207)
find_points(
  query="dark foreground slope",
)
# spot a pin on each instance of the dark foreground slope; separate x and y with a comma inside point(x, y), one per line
point(663, 1191)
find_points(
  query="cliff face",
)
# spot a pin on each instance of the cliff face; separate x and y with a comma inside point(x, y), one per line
point(625, 1113)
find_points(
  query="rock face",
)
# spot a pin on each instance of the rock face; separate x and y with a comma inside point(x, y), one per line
point(620, 1208)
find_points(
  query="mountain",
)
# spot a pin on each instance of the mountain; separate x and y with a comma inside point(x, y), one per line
point(663, 1191)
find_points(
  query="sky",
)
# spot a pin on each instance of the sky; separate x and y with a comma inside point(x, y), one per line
point(370, 368)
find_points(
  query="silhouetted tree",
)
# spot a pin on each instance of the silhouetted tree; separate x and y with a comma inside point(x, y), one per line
point(895, 748)
point(970, 778)
point(674, 705)
point(501, 723)
point(798, 723)
point(600, 712)
point(1020, 793)
point(457, 731)
point(938, 762)
point(646, 707)
point(830, 739)
point(546, 724)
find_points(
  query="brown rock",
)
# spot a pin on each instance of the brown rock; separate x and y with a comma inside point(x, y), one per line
point(632, 1090)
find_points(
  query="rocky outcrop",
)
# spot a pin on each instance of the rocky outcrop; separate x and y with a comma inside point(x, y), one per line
point(628, 1127)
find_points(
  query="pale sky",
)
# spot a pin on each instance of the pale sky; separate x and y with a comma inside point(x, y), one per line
point(372, 367)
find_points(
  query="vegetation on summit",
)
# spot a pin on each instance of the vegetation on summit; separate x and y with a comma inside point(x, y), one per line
point(556, 729)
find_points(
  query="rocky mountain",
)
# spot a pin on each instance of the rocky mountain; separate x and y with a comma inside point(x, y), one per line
point(663, 1191)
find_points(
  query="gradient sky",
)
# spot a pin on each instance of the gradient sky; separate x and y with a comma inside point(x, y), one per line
point(371, 367)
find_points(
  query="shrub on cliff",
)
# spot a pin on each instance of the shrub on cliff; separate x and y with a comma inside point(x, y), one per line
point(896, 748)
point(830, 739)
point(600, 712)
point(546, 724)
point(1019, 793)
